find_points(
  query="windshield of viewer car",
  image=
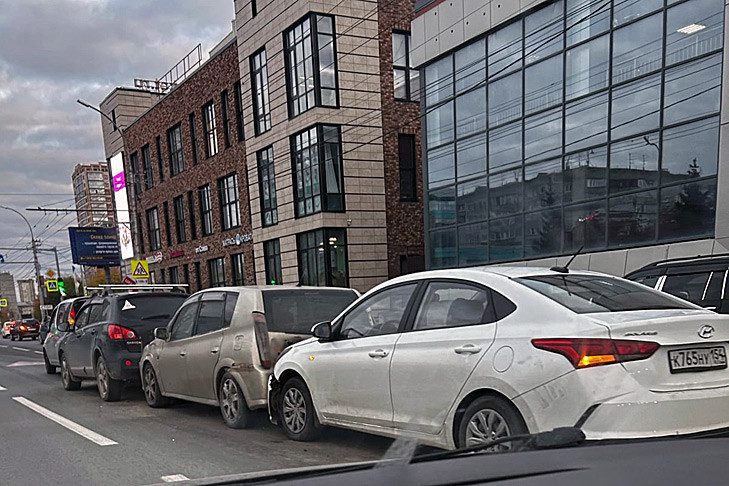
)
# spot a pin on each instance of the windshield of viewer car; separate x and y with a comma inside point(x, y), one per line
point(297, 311)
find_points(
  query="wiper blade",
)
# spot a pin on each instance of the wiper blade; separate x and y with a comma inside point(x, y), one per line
point(156, 316)
point(552, 439)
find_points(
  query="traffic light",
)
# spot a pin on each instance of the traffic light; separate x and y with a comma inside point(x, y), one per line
point(62, 288)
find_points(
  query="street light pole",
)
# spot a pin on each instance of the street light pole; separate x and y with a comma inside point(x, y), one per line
point(133, 198)
point(35, 260)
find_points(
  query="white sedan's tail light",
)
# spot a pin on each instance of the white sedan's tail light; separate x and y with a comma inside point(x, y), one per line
point(587, 352)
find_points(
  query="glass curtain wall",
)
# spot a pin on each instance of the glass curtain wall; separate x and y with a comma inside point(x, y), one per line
point(586, 122)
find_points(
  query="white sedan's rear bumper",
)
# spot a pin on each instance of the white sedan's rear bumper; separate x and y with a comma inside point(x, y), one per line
point(647, 414)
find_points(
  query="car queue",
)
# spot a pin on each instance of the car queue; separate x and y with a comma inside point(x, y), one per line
point(450, 358)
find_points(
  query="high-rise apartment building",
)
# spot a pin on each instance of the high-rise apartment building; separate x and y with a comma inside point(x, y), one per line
point(92, 192)
point(7, 291)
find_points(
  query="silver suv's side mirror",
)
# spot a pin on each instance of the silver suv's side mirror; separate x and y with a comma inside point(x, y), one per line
point(161, 333)
point(323, 330)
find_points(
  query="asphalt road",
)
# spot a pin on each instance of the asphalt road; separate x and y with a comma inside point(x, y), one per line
point(146, 445)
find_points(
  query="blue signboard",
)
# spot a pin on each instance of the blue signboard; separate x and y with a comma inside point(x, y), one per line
point(94, 246)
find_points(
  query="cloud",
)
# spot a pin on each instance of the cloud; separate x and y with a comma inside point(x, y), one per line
point(55, 51)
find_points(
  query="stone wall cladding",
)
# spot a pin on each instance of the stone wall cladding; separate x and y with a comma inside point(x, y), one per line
point(405, 227)
point(206, 84)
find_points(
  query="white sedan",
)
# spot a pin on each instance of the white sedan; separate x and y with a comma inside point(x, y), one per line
point(456, 358)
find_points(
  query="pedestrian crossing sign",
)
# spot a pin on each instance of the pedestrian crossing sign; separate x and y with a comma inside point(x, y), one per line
point(140, 269)
point(3, 302)
point(52, 285)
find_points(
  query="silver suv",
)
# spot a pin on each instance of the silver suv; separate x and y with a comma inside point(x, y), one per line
point(220, 346)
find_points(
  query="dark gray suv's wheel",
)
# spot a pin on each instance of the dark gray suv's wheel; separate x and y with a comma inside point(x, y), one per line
point(69, 382)
point(109, 388)
point(50, 369)
point(487, 419)
point(298, 417)
point(232, 403)
point(152, 392)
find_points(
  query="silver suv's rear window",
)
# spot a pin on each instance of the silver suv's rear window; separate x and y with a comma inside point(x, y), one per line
point(585, 294)
point(296, 311)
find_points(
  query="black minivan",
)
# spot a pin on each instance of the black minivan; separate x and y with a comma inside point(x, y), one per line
point(701, 280)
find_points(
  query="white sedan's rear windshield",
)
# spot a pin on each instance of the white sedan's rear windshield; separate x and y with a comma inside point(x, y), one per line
point(585, 294)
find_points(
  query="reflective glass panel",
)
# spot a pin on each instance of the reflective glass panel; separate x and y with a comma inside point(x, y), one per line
point(585, 19)
point(694, 28)
point(505, 239)
point(688, 210)
point(634, 164)
point(627, 10)
point(440, 124)
point(636, 107)
point(473, 201)
point(442, 207)
point(638, 48)
point(543, 84)
point(471, 156)
point(692, 90)
point(543, 135)
point(505, 146)
point(471, 112)
point(504, 49)
point(441, 166)
point(505, 193)
point(443, 248)
point(470, 65)
point(439, 81)
point(632, 218)
point(585, 175)
point(505, 99)
point(543, 233)
point(690, 151)
point(544, 30)
point(587, 67)
point(584, 225)
point(473, 244)
point(543, 185)
point(586, 122)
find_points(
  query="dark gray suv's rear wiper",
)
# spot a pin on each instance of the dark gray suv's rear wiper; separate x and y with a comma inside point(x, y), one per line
point(156, 316)
point(552, 439)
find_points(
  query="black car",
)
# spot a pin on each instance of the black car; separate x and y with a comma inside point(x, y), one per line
point(60, 322)
point(27, 328)
point(107, 338)
point(701, 280)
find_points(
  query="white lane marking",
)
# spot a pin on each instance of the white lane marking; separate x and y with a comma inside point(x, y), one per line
point(173, 478)
point(64, 422)
point(22, 349)
point(38, 352)
point(25, 363)
point(2, 389)
point(3, 346)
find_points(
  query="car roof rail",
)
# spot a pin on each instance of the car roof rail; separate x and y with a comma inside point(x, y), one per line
point(685, 260)
point(106, 289)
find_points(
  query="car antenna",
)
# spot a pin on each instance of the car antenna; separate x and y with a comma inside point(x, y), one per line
point(566, 269)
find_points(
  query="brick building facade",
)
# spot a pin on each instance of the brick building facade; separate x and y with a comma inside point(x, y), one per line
point(180, 191)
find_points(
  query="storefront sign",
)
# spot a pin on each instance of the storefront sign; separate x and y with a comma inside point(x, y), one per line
point(202, 249)
point(177, 253)
point(238, 239)
point(94, 246)
point(155, 258)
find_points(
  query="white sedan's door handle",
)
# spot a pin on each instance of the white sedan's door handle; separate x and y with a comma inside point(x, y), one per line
point(468, 349)
point(379, 353)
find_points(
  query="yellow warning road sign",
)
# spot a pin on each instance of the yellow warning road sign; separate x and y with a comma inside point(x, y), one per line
point(50, 273)
point(3, 302)
point(52, 285)
point(140, 269)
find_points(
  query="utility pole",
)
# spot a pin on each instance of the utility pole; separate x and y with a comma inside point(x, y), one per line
point(35, 260)
point(58, 267)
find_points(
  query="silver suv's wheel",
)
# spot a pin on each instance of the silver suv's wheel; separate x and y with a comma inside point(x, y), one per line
point(232, 403)
point(150, 385)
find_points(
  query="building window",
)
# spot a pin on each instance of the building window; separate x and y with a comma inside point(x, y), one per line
point(272, 259)
point(113, 120)
point(206, 210)
point(267, 187)
point(406, 79)
point(229, 204)
point(177, 158)
point(239, 111)
point(259, 86)
point(408, 174)
point(191, 212)
point(239, 269)
point(254, 8)
point(211, 130)
point(179, 203)
point(226, 120)
point(216, 270)
point(147, 167)
point(160, 165)
point(134, 161)
point(317, 167)
point(153, 229)
point(174, 275)
point(323, 257)
point(168, 232)
point(311, 66)
point(592, 137)
point(198, 277)
point(193, 138)
point(186, 275)
point(163, 275)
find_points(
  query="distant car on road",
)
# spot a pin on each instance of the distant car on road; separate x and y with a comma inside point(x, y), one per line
point(27, 328)
point(701, 280)
point(6, 329)
point(221, 345)
point(457, 358)
point(107, 338)
point(61, 321)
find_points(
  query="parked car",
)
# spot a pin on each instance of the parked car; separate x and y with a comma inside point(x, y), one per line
point(701, 280)
point(219, 348)
point(456, 358)
point(61, 321)
point(108, 336)
point(26, 328)
point(5, 331)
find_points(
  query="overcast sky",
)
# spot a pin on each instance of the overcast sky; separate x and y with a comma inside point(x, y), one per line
point(55, 51)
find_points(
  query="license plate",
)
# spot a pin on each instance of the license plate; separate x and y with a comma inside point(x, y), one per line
point(697, 359)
